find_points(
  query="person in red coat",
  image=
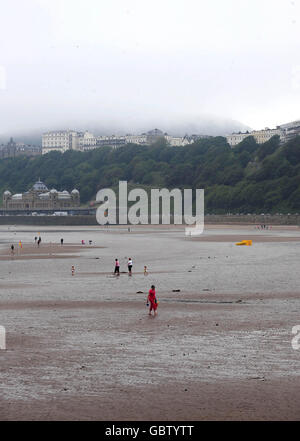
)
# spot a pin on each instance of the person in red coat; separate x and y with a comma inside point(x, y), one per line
point(152, 301)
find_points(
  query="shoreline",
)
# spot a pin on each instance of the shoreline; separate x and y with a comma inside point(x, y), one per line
point(90, 220)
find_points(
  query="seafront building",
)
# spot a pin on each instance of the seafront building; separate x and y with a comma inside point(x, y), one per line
point(260, 136)
point(291, 129)
point(13, 149)
point(284, 131)
point(62, 141)
point(40, 198)
point(9, 150)
point(136, 139)
point(178, 141)
point(82, 141)
point(112, 141)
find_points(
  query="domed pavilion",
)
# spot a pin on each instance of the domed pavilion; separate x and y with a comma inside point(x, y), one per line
point(39, 197)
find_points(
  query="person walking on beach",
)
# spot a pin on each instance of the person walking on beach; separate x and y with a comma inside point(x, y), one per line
point(145, 271)
point(152, 301)
point(39, 241)
point(12, 249)
point(61, 241)
point(35, 239)
point(129, 266)
point(117, 267)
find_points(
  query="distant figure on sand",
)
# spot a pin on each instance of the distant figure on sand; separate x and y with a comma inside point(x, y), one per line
point(152, 301)
point(117, 267)
point(39, 241)
point(35, 239)
point(12, 249)
point(145, 271)
point(129, 266)
point(61, 241)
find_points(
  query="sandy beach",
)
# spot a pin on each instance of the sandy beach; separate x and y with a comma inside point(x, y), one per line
point(83, 347)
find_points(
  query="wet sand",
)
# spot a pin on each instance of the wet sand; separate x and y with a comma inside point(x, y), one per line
point(84, 348)
point(45, 251)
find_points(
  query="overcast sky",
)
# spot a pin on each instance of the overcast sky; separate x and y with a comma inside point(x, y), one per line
point(90, 63)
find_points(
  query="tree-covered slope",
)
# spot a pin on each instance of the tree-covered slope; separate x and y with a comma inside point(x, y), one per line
point(248, 178)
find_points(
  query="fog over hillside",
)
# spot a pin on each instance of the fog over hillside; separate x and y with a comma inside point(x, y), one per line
point(205, 125)
point(130, 66)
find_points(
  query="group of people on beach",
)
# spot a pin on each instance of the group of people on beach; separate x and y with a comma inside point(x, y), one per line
point(37, 240)
point(152, 301)
point(263, 227)
point(129, 266)
point(83, 242)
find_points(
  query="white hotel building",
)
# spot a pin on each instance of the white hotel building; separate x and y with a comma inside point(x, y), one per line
point(59, 140)
point(260, 136)
point(284, 131)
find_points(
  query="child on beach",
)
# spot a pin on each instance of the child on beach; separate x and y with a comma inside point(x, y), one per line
point(152, 301)
point(117, 267)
